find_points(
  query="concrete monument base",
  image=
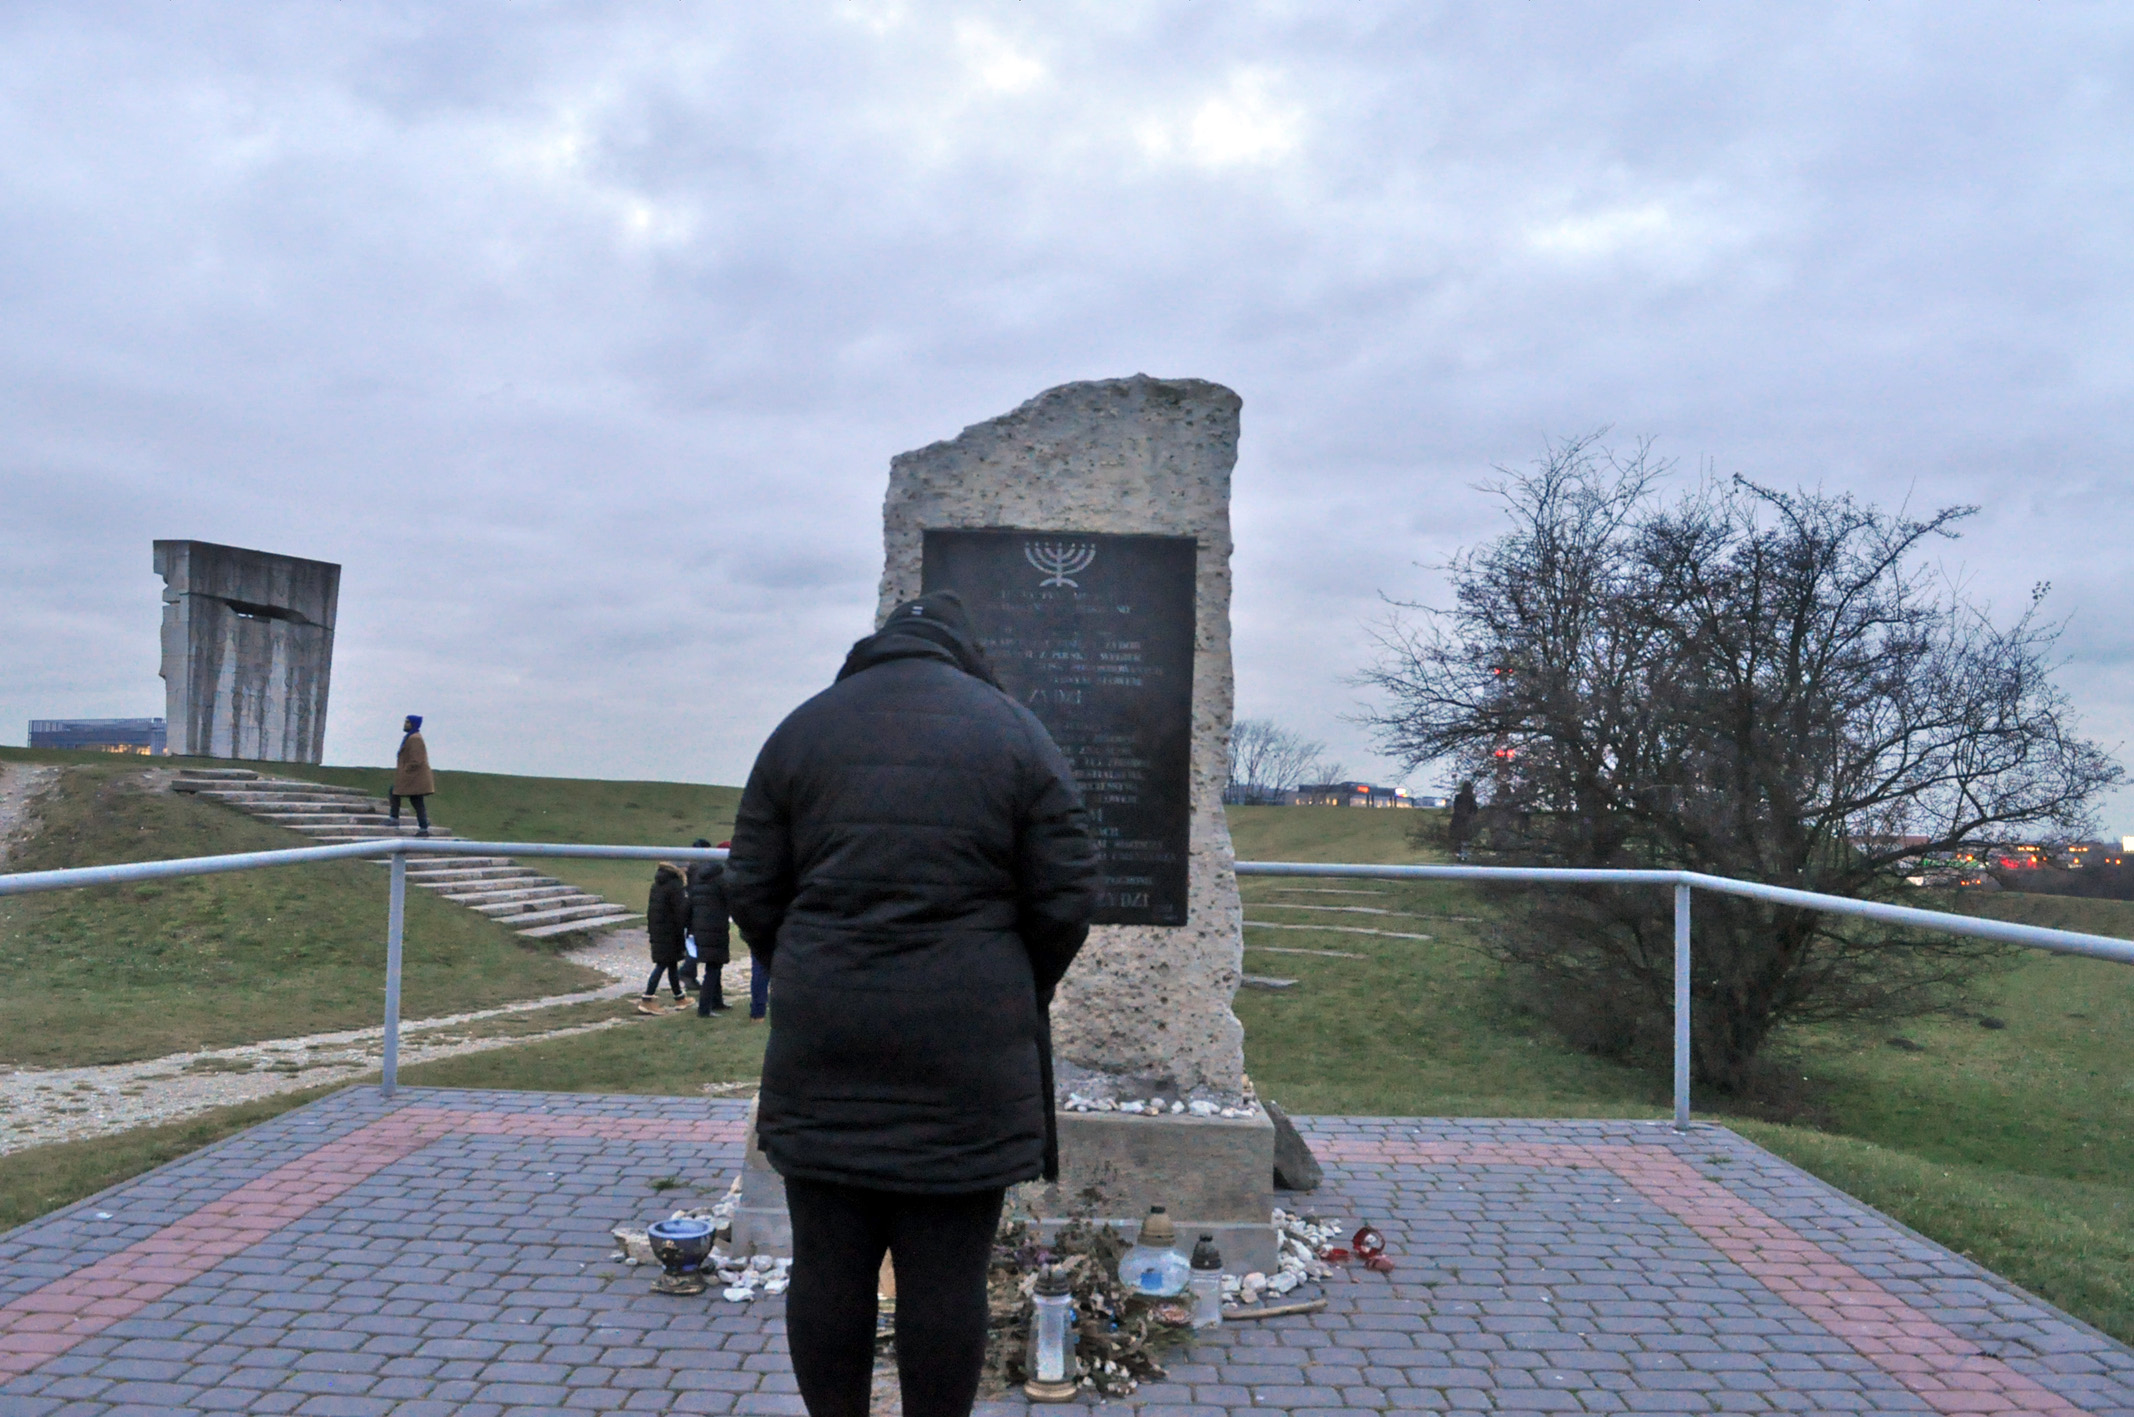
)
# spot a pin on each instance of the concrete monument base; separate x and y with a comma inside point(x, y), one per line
point(1213, 1174)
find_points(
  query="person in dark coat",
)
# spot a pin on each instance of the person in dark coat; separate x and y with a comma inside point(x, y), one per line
point(1463, 819)
point(666, 921)
point(707, 925)
point(912, 859)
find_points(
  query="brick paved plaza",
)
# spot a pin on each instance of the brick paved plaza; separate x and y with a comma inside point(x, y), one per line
point(447, 1252)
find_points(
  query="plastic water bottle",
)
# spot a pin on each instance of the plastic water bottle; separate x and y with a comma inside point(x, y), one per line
point(1153, 1266)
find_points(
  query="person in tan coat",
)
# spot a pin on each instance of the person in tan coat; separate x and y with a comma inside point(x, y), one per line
point(412, 778)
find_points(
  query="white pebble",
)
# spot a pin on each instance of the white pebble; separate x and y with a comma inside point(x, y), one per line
point(1201, 1109)
point(739, 1295)
point(1133, 1107)
point(1177, 1107)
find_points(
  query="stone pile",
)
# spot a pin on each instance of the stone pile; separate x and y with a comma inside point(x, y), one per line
point(1299, 1243)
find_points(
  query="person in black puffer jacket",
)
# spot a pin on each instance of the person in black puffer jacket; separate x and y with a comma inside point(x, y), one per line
point(707, 925)
point(912, 858)
point(666, 922)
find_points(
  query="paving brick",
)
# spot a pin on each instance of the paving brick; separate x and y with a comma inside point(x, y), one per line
point(1545, 1266)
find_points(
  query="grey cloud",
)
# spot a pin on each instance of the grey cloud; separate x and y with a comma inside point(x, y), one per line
point(583, 336)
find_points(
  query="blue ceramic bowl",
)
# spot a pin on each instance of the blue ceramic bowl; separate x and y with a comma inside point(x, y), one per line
point(681, 1246)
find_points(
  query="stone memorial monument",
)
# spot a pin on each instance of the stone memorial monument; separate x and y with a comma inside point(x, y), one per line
point(247, 651)
point(1088, 531)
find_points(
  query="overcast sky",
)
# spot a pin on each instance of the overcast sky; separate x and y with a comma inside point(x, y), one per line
point(581, 335)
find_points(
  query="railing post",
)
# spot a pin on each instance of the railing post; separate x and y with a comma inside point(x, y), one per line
point(1681, 1007)
point(395, 920)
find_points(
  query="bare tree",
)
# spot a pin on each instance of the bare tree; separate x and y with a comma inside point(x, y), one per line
point(1753, 683)
point(1267, 760)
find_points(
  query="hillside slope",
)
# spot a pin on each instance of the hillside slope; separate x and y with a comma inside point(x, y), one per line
point(115, 974)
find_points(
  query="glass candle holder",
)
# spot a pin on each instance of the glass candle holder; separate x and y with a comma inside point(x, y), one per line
point(1051, 1351)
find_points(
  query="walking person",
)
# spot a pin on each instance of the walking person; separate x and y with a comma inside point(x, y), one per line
point(708, 926)
point(912, 862)
point(666, 921)
point(412, 777)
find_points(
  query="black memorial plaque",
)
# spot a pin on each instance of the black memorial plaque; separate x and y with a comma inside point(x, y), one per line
point(1094, 632)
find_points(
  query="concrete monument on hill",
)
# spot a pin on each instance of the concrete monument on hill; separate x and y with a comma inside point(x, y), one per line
point(247, 651)
point(1089, 533)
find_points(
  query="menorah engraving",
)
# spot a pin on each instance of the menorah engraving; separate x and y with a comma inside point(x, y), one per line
point(1061, 560)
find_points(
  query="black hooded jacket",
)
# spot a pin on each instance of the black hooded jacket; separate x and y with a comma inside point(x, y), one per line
point(667, 914)
point(707, 911)
point(912, 858)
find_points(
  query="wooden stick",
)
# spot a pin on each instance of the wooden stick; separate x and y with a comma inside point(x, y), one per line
point(1275, 1311)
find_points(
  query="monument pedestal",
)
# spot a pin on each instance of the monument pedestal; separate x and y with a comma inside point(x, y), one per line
point(1214, 1174)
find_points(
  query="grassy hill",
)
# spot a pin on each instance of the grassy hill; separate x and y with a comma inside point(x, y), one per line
point(118, 973)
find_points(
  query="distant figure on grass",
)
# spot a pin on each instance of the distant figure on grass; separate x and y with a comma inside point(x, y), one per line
point(1463, 819)
point(666, 921)
point(708, 927)
point(912, 860)
point(412, 778)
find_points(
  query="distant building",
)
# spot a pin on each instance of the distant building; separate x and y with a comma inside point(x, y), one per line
point(1350, 794)
point(103, 735)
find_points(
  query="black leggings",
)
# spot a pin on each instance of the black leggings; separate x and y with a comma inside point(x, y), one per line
point(672, 971)
point(941, 1245)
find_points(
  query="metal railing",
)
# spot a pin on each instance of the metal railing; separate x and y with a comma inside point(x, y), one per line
point(398, 849)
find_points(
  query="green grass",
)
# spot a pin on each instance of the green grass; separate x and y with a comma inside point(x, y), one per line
point(673, 1055)
point(119, 973)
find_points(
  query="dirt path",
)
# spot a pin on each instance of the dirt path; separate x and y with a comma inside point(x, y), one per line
point(42, 1105)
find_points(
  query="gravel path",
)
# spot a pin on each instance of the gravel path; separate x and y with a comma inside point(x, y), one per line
point(20, 783)
point(43, 1105)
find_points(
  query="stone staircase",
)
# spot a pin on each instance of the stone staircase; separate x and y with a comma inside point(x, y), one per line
point(536, 906)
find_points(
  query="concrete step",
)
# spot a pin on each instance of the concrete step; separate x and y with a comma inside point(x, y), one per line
point(599, 909)
point(452, 877)
point(288, 813)
point(309, 821)
point(533, 905)
point(193, 779)
point(367, 831)
point(548, 906)
point(530, 891)
point(590, 923)
point(419, 861)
